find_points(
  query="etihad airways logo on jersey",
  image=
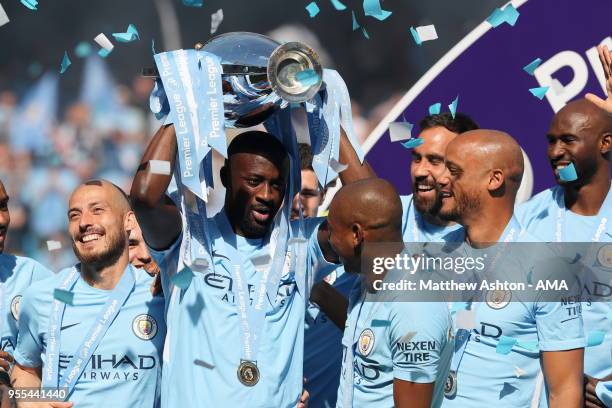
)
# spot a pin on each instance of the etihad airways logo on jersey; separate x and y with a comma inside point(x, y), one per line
point(114, 366)
point(225, 284)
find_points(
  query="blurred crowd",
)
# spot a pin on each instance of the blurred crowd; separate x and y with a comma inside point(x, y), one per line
point(45, 151)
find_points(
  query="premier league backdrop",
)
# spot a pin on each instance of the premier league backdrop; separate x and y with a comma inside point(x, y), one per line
point(485, 70)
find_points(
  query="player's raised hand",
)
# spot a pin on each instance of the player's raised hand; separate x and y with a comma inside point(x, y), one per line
point(605, 56)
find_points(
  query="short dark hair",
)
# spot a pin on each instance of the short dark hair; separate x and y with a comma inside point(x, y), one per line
point(305, 155)
point(259, 143)
point(461, 123)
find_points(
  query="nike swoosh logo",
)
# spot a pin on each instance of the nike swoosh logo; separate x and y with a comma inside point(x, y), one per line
point(70, 325)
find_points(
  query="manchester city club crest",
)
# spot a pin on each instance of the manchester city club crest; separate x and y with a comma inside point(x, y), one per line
point(331, 278)
point(498, 299)
point(604, 256)
point(15, 307)
point(366, 342)
point(144, 327)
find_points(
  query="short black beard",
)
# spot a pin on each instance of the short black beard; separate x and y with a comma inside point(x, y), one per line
point(251, 229)
point(105, 259)
point(466, 203)
point(430, 206)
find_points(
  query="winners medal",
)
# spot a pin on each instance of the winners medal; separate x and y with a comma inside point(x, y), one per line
point(248, 373)
point(450, 386)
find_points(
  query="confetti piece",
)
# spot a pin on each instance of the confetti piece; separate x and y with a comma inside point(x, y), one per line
point(312, 9)
point(453, 106)
point(427, 33)
point(355, 23)
point(130, 35)
point(411, 144)
point(103, 53)
point(466, 319)
point(518, 372)
point(261, 260)
point(407, 337)
point(153, 46)
point(3, 17)
point(203, 364)
point(528, 345)
point(296, 241)
point(182, 279)
point(104, 42)
point(568, 173)
point(215, 21)
point(372, 8)
point(65, 63)
point(53, 245)
point(507, 390)
point(530, 278)
point(82, 49)
point(531, 67)
point(365, 33)
point(595, 338)
point(435, 109)
point(415, 35)
point(160, 167)
point(31, 4)
point(308, 77)
point(337, 166)
point(64, 296)
point(539, 92)
point(508, 15)
point(504, 345)
point(380, 323)
point(193, 3)
point(199, 265)
point(337, 5)
point(399, 131)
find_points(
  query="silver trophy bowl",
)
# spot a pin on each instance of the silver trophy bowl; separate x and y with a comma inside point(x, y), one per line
point(259, 75)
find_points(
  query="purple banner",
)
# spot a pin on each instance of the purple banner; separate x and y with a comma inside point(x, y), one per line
point(486, 70)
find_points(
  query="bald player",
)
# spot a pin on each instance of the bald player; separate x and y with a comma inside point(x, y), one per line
point(404, 362)
point(485, 168)
point(94, 329)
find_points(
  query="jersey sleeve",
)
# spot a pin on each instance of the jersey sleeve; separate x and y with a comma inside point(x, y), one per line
point(29, 346)
point(39, 272)
point(418, 337)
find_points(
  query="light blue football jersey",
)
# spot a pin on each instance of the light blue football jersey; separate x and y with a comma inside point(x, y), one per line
point(16, 275)
point(416, 229)
point(546, 217)
point(410, 341)
point(323, 346)
point(125, 368)
point(485, 374)
point(203, 344)
point(603, 390)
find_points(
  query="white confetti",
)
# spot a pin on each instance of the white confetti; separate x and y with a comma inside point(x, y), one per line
point(160, 167)
point(215, 21)
point(103, 41)
point(54, 245)
point(466, 319)
point(407, 337)
point(261, 260)
point(3, 17)
point(199, 265)
point(399, 131)
point(337, 166)
point(518, 371)
point(427, 33)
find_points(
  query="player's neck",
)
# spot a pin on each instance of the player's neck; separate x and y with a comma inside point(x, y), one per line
point(432, 219)
point(105, 277)
point(588, 198)
point(487, 226)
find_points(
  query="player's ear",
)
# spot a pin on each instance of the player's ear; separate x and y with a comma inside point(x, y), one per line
point(496, 179)
point(129, 221)
point(225, 174)
point(606, 144)
point(357, 234)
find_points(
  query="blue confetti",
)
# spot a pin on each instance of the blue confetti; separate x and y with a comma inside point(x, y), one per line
point(415, 35)
point(530, 278)
point(453, 106)
point(505, 344)
point(130, 35)
point(507, 390)
point(312, 9)
point(182, 279)
point(307, 77)
point(64, 296)
point(337, 5)
point(411, 144)
point(595, 338)
point(103, 52)
point(372, 8)
point(355, 23)
point(193, 3)
point(365, 33)
point(568, 173)
point(539, 92)
point(82, 49)
point(435, 109)
point(203, 364)
point(65, 63)
point(508, 15)
point(531, 67)
point(31, 4)
point(380, 323)
point(528, 345)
